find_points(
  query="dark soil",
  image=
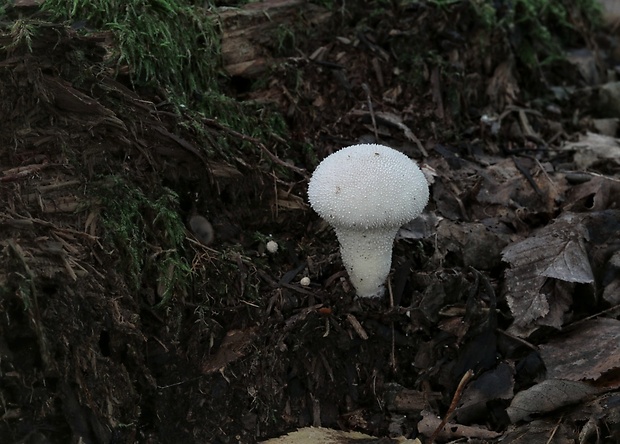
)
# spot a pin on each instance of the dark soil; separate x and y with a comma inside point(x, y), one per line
point(100, 344)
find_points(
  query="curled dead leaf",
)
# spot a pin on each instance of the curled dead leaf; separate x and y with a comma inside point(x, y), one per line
point(542, 270)
point(587, 352)
point(547, 396)
point(320, 435)
point(430, 422)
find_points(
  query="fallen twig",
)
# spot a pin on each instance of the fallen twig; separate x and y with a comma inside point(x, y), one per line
point(455, 400)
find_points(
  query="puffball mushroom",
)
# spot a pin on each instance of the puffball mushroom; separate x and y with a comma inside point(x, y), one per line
point(272, 246)
point(202, 229)
point(366, 193)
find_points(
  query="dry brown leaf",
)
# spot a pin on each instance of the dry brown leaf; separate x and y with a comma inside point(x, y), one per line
point(557, 251)
point(597, 194)
point(403, 400)
point(540, 432)
point(430, 422)
point(606, 126)
point(592, 148)
point(494, 384)
point(611, 293)
point(479, 247)
point(320, 435)
point(234, 346)
point(503, 87)
point(603, 413)
point(500, 182)
point(587, 352)
point(547, 396)
point(288, 201)
point(504, 184)
point(224, 170)
point(422, 227)
point(585, 61)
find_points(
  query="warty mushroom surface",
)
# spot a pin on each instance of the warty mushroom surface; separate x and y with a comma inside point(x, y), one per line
point(366, 193)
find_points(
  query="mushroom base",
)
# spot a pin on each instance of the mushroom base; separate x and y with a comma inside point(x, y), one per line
point(367, 256)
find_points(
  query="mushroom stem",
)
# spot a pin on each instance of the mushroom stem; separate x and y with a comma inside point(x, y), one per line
point(367, 256)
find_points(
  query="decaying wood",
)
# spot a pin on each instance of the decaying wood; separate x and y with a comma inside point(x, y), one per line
point(249, 32)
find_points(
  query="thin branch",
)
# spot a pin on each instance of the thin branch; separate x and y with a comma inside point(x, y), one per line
point(455, 400)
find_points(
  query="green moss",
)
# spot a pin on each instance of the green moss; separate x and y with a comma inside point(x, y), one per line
point(175, 46)
point(22, 32)
point(535, 33)
point(147, 235)
point(539, 30)
point(285, 37)
point(163, 42)
point(257, 121)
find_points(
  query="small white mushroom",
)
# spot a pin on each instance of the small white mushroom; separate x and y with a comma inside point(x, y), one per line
point(305, 281)
point(272, 246)
point(366, 192)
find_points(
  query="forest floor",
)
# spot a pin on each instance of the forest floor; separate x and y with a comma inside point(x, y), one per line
point(120, 323)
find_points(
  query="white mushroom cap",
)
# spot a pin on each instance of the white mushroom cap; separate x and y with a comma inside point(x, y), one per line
point(366, 192)
point(202, 229)
point(368, 186)
point(272, 246)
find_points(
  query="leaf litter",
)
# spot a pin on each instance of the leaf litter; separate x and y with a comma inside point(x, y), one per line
point(556, 253)
point(587, 352)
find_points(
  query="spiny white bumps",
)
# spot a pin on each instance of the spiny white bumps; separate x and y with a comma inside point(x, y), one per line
point(366, 193)
point(272, 246)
